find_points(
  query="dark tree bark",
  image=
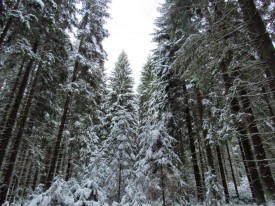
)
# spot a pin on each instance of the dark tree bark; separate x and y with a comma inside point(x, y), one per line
point(35, 179)
point(243, 136)
point(119, 183)
point(259, 34)
point(270, 109)
point(232, 170)
point(54, 157)
point(247, 171)
point(11, 160)
point(6, 134)
point(68, 169)
point(192, 145)
point(11, 97)
point(257, 143)
point(8, 25)
point(162, 186)
point(207, 146)
point(223, 177)
point(2, 13)
point(59, 162)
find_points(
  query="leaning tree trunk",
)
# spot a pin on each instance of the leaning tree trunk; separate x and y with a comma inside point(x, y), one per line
point(6, 134)
point(192, 145)
point(11, 160)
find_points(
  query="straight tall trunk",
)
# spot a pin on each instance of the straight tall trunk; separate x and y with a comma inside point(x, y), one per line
point(257, 143)
point(209, 155)
point(8, 25)
point(162, 187)
point(35, 179)
point(6, 134)
point(119, 183)
point(68, 169)
point(202, 164)
point(223, 177)
point(2, 11)
point(11, 160)
point(243, 135)
point(247, 172)
point(248, 154)
point(54, 157)
point(192, 146)
point(11, 97)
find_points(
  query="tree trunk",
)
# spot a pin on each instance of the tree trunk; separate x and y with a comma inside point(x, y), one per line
point(27, 176)
point(68, 169)
point(209, 155)
point(11, 160)
point(270, 109)
point(232, 170)
point(223, 177)
point(50, 175)
point(162, 186)
point(6, 135)
point(35, 179)
point(119, 184)
point(8, 25)
point(257, 143)
point(11, 97)
point(59, 162)
point(202, 165)
point(243, 136)
point(2, 11)
point(192, 146)
point(259, 34)
point(247, 172)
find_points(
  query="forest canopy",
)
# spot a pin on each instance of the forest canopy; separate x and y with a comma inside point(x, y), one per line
point(199, 130)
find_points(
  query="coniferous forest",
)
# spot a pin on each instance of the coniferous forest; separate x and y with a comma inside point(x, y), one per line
point(199, 130)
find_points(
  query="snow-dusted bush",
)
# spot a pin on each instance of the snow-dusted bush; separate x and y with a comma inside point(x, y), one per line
point(67, 193)
point(214, 191)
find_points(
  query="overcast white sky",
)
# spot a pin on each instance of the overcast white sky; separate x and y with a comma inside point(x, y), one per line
point(130, 27)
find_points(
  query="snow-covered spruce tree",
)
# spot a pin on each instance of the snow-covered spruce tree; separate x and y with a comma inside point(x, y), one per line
point(88, 58)
point(157, 173)
point(176, 22)
point(118, 148)
point(43, 30)
point(66, 193)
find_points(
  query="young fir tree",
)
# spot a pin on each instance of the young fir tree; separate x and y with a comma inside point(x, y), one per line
point(119, 146)
point(157, 164)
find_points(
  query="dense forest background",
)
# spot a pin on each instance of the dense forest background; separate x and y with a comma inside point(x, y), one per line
point(200, 129)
